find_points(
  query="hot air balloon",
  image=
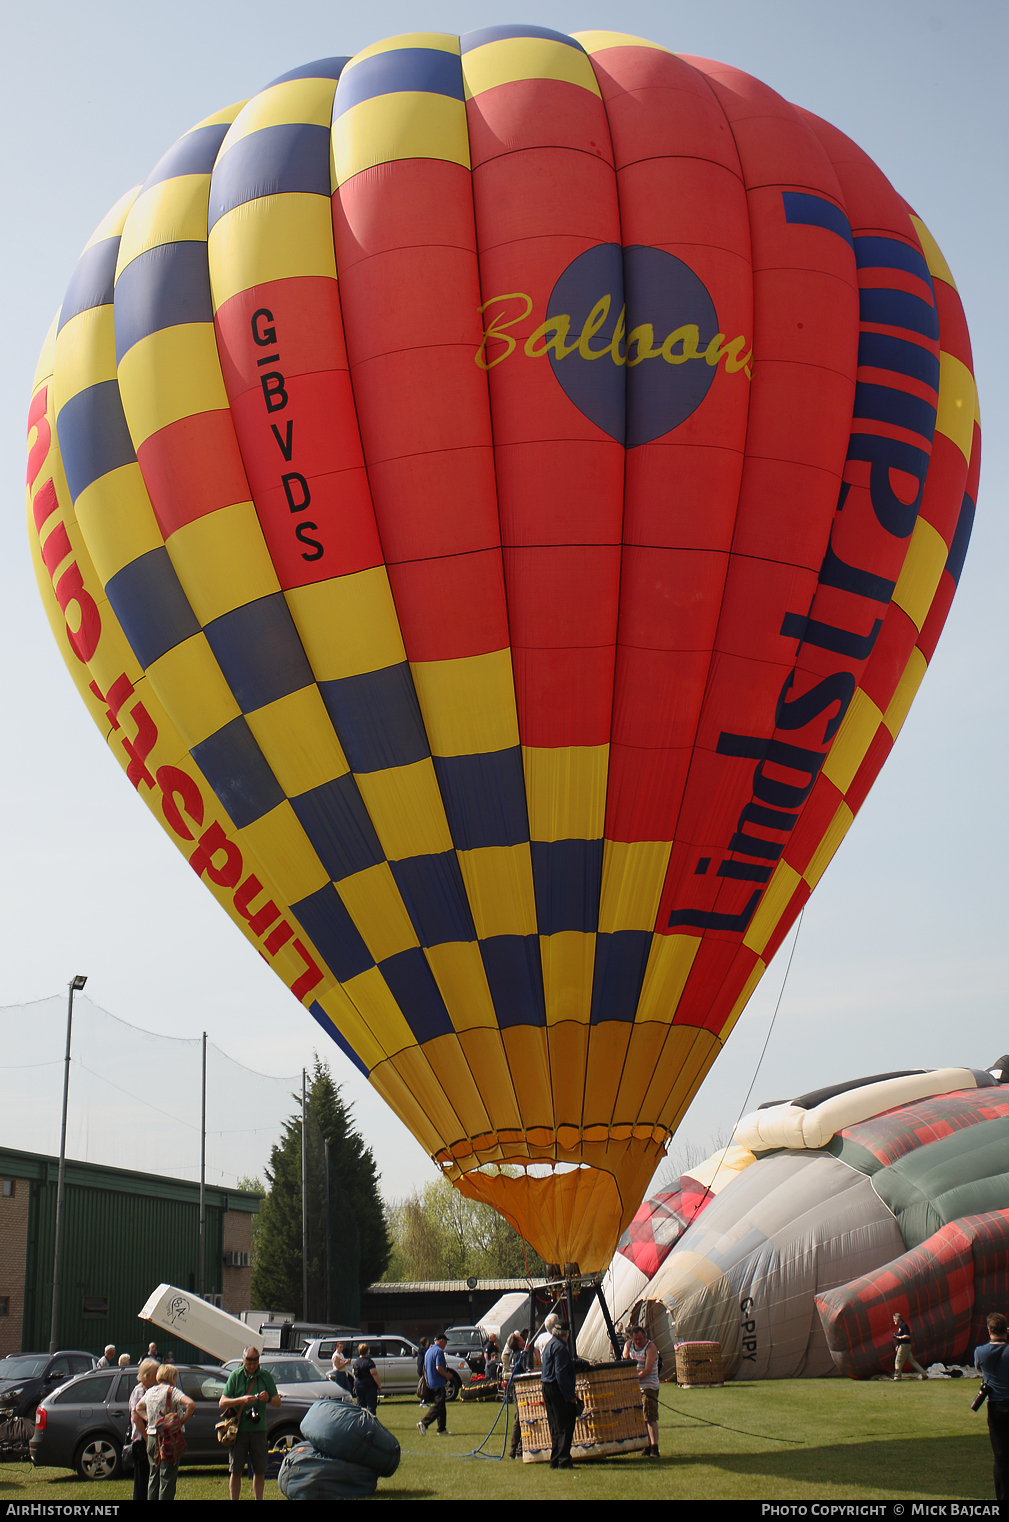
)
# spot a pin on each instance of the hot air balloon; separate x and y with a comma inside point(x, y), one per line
point(655, 1230)
point(498, 496)
point(865, 1198)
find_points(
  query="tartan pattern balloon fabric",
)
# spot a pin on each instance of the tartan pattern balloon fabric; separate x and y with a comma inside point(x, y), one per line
point(944, 1289)
point(657, 1226)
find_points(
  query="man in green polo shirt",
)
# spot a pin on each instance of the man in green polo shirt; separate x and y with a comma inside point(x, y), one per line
point(248, 1390)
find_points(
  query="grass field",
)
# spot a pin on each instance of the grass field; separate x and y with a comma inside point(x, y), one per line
point(797, 1439)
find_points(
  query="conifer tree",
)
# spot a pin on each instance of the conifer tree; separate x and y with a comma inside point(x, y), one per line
point(358, 1240)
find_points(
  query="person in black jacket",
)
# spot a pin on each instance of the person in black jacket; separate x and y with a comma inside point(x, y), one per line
point(558, 1376)
point(990, 1358)
point(513, 1364)
point(902, 1349)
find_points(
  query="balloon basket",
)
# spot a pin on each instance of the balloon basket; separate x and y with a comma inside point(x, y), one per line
point(14, 1437)
point(699, 1365)
point(612, 1422)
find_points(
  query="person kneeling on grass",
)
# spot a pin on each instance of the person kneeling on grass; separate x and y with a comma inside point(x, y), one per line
point(248, 1390)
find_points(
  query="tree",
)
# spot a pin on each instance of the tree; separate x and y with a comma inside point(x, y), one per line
point(254, 1186)
point(440, 1234)
point(355, 1233)
point(686, 1156)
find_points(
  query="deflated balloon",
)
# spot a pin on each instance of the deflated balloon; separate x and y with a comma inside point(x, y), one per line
point(499, 496)
point(891, 1194)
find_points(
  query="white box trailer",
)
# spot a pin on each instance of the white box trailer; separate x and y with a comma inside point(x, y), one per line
point(200, 1323)
point(507, 1315)
point(256, 1319)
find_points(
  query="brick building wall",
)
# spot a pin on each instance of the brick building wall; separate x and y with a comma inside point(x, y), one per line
point(236, 1283)
point(13, 1243)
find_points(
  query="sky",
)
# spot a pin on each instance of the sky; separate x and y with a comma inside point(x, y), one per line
point(900, 960)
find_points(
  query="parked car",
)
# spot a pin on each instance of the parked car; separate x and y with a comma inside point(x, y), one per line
point(395, 1359)
point(467, 1342)
point(27, 1378)
point(85, 1424)
point(296, 1376)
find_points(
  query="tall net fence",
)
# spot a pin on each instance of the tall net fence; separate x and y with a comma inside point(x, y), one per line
point(134, 1095)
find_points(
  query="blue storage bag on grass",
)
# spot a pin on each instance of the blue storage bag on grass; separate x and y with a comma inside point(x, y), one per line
point(346, 1432)
point(307, 1475)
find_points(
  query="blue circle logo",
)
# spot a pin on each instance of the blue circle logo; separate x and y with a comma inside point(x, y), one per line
point(632, 337)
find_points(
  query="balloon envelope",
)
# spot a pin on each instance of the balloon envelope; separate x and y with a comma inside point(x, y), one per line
point(499, 496)
point(798, 1264)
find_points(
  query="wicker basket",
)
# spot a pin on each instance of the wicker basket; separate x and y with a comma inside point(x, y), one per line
point(612, 1421)
point(14, 1437)
point(698, 1363)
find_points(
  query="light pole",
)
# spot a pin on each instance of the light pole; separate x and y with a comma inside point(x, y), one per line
point(304, 1199)
point(201, 1256)
point(75, 986)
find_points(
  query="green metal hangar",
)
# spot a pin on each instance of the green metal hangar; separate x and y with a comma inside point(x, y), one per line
point(124, 1233)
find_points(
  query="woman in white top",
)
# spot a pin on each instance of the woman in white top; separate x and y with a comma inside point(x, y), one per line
point(163, 1397)
point(147, 1376)
point(340, 1363)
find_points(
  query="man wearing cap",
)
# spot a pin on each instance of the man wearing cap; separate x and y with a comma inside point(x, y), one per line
point(559, 1397)
point(436, 1378)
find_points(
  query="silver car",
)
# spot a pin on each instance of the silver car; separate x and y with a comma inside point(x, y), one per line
point(296, 1377)
point(395, 1359)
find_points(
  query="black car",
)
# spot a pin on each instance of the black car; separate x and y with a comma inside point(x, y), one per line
point(466, 1342)
point(85, 1425)
point(27, 1378)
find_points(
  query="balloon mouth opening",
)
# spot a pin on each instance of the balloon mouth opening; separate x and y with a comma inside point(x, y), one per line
point(530, 1168)
point(571, 1213)
point(549, 1150)
point(571, 1202)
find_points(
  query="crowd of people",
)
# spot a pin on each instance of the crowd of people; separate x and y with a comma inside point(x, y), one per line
point(157, 1404)
point(159, 1409)
point(552, 1355)
point(109, 1360)
point(548, 1354)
